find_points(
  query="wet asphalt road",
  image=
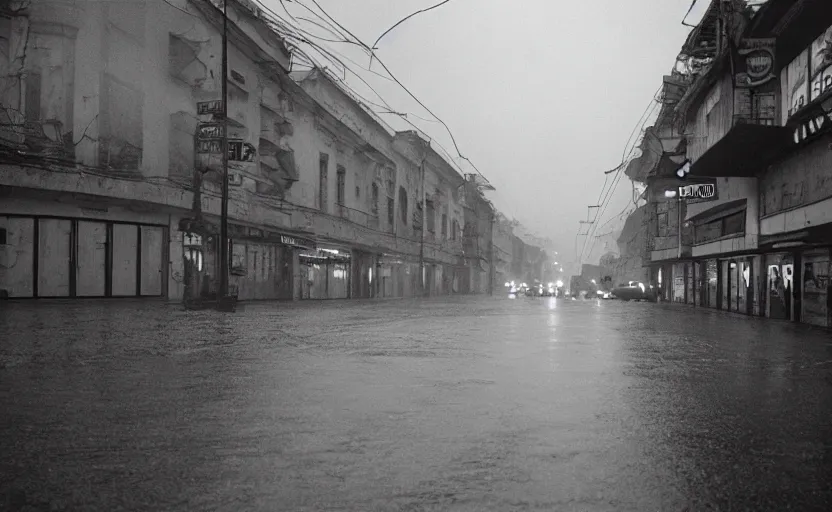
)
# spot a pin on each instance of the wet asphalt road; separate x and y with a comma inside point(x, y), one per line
point(460, 404)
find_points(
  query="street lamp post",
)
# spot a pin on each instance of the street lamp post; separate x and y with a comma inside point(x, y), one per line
point(224, 301)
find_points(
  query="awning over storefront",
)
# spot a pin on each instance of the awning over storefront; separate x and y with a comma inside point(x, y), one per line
point(816, 235)
point(743, 151)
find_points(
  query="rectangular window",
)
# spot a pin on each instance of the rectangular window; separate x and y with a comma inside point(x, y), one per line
point(734, 224)
point(431, 216)
point(33, 87)
point(391, 211)
point(323, 182)
point(708, 231)
point(120, 145)
point(341, 196)
point(661, 224)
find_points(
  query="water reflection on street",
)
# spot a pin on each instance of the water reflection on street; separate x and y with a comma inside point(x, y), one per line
point(463, 404)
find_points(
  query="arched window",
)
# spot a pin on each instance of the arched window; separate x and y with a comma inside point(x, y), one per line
point(454, 230)
point(374, 205)
point(403, 205)
point(444, 225)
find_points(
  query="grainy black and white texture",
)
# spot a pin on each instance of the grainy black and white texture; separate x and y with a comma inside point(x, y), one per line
point(462, 404)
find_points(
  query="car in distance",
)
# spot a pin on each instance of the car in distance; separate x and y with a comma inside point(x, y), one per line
point(634, 290)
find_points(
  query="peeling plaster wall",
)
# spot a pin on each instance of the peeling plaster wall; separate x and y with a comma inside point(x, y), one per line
point(801, 179)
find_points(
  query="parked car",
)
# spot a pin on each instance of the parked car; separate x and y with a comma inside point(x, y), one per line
point(634, 290)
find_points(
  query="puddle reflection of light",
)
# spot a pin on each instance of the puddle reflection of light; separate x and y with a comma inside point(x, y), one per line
point(512, 296)
point(553, 303)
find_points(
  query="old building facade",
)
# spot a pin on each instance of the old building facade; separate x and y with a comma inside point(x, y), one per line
point(111, 173)
point(751, 192)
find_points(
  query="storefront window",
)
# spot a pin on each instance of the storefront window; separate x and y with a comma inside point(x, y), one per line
point(733, 284)
point(815, 288)
point(725, 284)
point(698, 284)
point(679, 282)
point(780, 270)
point(712, 283)
point(743, 282)
point(689, 296)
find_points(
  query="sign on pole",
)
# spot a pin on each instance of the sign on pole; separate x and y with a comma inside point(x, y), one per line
point(206, 131)
point(209, 107)
point(698, 192)
point(209, 146)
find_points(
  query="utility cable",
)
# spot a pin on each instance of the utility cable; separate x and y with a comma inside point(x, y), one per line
point(375, 45)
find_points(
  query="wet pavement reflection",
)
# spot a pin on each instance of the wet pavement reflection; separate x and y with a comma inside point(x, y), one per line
point(442, 404)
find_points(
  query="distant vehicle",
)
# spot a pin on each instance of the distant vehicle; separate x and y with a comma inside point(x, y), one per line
point(535, 290)
point(634, 290)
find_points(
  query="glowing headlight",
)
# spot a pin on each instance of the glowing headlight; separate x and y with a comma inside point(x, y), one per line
point(600, 292)
point(560, 284)
point(641, 285)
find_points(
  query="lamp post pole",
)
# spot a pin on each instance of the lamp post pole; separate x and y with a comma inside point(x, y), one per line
point(224, 256)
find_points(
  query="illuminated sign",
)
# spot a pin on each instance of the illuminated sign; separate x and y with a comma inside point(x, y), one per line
point(698, 191)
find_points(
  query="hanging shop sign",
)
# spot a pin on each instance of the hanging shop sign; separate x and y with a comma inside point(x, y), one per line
point(204, 108)
point(756, 63)
point(699, 192)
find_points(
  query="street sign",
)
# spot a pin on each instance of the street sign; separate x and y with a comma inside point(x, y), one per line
point(210, 146)
point(206, 131)
point(209, 107)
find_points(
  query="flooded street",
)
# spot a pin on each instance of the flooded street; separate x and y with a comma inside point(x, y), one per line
point(448, 404)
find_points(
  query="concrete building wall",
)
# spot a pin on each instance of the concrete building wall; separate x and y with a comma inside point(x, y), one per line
point(729, 190)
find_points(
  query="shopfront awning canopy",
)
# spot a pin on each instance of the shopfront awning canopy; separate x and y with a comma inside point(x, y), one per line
point(743, 151)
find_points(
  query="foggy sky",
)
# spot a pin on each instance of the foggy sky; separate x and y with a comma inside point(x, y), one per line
point(540, 94)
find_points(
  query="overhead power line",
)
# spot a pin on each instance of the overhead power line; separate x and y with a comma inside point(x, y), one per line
point(413, 96)
point(617, 177)
point(375, 45)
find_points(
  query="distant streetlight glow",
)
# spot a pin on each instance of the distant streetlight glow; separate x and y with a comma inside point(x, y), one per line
point(593, 281)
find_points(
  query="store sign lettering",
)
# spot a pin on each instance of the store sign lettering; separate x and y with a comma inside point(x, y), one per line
point(288, 240)
point(698, 191)
point(209, 107)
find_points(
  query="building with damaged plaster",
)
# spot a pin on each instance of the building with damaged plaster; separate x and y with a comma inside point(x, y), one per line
point(108, 191)
point(753, 122)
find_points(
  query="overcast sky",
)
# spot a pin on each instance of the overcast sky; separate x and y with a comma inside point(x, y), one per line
point(541, 95)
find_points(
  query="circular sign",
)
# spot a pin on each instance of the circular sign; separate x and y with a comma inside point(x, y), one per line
point(759, 63)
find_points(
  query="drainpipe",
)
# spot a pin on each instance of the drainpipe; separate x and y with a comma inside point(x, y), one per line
point(491, 263)
point(424, 227)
